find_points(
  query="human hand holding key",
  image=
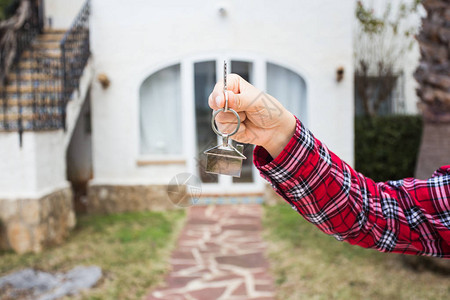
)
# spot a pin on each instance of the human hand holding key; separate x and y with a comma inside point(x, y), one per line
point(225, 158)
point(263, 120)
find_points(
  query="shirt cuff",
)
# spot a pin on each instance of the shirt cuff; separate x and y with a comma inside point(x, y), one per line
point(284, 171)
point(264, 161)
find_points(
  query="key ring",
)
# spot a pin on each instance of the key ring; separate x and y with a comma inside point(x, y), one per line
point(213, 124)
point(225, 109)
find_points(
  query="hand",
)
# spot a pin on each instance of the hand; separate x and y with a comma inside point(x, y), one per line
point(264, 121)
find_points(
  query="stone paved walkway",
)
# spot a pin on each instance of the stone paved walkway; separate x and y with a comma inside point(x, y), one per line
point(219, 256)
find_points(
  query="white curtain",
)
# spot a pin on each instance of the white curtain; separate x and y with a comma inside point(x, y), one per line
point(289, 88)
point(160, 112)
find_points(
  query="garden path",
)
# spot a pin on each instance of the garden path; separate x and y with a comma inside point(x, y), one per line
point(219, 255)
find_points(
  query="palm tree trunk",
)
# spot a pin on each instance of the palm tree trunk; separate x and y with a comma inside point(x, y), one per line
point(434, 149)
point(433, 76)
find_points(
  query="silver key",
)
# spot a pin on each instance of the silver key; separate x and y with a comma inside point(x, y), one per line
point(225, 159)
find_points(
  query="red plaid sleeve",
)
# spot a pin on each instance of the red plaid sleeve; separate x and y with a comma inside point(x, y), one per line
point(406, 216)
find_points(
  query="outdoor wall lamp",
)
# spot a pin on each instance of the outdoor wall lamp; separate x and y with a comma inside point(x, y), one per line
point(222, 11)
point(339, 74)
point(104, 80)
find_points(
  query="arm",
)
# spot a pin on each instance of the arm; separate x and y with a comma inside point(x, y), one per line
point(407, 216)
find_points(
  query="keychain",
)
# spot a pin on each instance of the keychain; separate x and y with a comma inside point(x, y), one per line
point(225, 159)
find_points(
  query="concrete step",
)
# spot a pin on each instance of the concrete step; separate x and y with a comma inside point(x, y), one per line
point(50, 37)
point(32, 112)
point(33, 64)
point(16, 116)
point(29, 121)
point(27, 76)
point(41, 54)
point(54, 31)
point(46, 45)
point(28, 125)
point(40, 101)
point(25, 89)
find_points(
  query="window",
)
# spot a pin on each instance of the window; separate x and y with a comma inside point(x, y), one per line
point(289, 88)
point(379, 95)
point(160, 112)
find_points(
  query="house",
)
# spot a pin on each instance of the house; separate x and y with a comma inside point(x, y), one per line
point(133, 113)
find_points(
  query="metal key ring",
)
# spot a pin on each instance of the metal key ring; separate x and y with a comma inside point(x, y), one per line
point(213, 124)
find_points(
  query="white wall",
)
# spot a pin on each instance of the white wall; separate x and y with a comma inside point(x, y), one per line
point(39, 166)
point(62, 12)
point(134, 38)
point(35, 169)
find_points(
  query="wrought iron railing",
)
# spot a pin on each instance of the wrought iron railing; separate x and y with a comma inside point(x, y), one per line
point(75, 52)
point(16, 35)
point(38, 87)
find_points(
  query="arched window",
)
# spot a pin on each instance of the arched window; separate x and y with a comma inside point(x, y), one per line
point(289, 88)
point(160, 112)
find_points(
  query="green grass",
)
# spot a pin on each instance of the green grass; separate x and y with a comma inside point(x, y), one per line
point(308, 264)
point(131, 248)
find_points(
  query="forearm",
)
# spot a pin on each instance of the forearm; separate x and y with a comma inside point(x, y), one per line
point(282, 135)
point(344, 203)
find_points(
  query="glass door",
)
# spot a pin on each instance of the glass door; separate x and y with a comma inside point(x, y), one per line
point(245, 70)
point(206, 74)
point(204, 81)
point(286, 85)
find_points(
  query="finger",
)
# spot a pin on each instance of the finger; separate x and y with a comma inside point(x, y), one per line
point(234, 101)
point(227, 128)
point(235, 84)
point(245, 134)
point(229, 117)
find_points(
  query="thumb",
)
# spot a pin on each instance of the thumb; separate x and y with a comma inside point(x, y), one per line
point(234, 101)
point(237, 87)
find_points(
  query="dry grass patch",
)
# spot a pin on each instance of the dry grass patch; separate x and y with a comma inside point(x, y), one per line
point(308, 264)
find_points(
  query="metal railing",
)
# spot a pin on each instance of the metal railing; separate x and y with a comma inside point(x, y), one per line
point(41, 81)
point(16, 35)
point(75, 52)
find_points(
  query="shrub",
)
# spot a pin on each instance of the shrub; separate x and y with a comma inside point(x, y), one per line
point(386, 147)
point(7, 8)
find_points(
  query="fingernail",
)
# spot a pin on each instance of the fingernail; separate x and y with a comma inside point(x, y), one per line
point(219, 101)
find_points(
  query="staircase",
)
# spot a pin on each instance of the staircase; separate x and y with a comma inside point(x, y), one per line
point(32, 94)
point(44, 83)
point(40, 84)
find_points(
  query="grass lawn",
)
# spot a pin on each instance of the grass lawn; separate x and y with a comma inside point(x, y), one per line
point(131, 248)
point(308, 264)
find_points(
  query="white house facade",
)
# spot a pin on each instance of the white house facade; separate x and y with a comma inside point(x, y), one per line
point(163, 59)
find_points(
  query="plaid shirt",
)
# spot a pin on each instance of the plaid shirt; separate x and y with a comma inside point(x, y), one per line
point(406, 216)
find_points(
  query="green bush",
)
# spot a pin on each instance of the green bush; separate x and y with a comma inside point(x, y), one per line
point(386, 147)
point(7, 8)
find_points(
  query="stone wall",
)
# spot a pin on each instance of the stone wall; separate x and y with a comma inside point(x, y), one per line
point(122, 198)
point(30, 224)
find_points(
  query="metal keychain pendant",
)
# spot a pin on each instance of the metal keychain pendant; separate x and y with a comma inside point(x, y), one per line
point(225, 159)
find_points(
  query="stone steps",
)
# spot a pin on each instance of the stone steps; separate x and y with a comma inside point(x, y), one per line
point(33, 87)
point(27, 87)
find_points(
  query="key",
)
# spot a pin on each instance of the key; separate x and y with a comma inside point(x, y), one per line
point(225, 159)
